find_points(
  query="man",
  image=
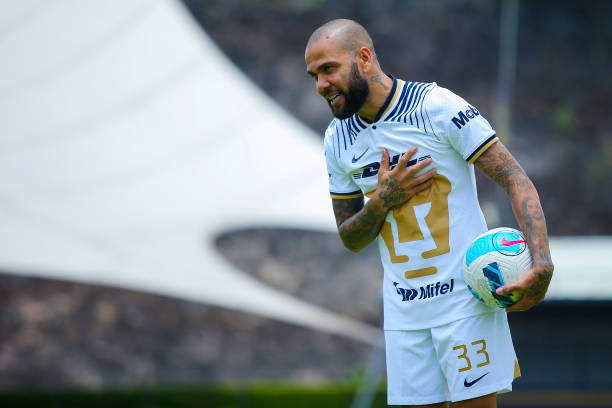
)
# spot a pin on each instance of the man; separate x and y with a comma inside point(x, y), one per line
point(410, 147)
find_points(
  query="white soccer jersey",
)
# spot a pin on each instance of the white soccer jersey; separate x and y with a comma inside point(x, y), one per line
point(423, 241)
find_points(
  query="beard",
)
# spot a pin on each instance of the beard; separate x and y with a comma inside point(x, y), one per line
point(355, 96)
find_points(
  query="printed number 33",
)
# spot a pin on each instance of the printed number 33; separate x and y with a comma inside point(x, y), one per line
point(424, 216)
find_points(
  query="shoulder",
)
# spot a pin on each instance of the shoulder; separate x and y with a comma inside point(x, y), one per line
point(448, 110)
point(441, 101)
point(332, 139)
point(329, 136)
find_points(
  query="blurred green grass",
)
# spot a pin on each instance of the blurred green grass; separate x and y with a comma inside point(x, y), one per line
point(265, 395)
point(258, 395)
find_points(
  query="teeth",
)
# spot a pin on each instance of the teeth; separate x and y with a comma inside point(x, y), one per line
point(333, 98)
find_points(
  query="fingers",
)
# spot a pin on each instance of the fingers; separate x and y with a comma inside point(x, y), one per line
point(525, 303)
point(403, 161)
point(522, 304)
point(517, 307)
point(522, 285)
point(419, 166)
point(507, 289)
point(427, 176)
point(401, 166)
point(384, 162)
point(422, 182)
point(402, 182)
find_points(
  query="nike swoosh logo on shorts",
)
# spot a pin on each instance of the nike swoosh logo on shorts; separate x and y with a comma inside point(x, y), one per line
point(510, 243)
point(354, 159)
point(470, 383)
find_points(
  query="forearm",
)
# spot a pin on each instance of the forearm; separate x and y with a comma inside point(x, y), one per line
point(360, 229)
point(530, 217)
point(497, 163)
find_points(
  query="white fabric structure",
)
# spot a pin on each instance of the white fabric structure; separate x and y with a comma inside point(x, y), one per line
point(129, 142)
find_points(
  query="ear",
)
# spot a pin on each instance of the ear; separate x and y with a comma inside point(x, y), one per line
point(365, 59)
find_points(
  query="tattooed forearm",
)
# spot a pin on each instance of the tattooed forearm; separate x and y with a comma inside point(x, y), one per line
point(358, 225)
point(376, 78)
point(498, 164)
point(531, 209)
point(534, 223)
point(346, 208)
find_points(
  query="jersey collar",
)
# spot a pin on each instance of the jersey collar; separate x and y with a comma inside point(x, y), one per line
point(388, 103)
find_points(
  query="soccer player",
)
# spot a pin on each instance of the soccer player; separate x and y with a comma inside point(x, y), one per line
point(411, 148)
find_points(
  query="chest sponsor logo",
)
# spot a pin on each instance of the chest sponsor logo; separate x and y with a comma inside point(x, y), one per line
point(463, 118)
point(425, 292)
point(371, 169)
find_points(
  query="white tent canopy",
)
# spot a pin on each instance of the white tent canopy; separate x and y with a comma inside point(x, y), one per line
point(129, 142)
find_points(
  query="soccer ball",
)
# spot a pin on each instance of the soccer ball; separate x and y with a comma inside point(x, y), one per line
point(495, 258)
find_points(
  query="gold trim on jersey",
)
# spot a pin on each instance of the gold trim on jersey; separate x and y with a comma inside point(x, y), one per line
point(389, 102)
point(346, 196)
point(517, 369)
point(417, 273)
point(398, 88)
point(482, 149)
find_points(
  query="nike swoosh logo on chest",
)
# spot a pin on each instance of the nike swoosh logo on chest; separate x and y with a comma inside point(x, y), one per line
point(355, 159)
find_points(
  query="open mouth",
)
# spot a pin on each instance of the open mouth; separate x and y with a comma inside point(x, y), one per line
point(334, 99)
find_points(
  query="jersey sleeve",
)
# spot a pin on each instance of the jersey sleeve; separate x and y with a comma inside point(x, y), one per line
point(341, 184)
point(459, 123)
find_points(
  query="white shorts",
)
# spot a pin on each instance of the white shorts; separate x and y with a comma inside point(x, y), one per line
point(464, 359)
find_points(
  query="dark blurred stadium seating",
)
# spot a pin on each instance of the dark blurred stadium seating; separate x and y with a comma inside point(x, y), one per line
point(561, 132)
point(58, 334)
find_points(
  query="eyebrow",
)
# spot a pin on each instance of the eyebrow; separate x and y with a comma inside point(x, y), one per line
point(331, 63)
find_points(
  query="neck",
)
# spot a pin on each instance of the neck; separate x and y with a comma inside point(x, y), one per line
point(380, 87)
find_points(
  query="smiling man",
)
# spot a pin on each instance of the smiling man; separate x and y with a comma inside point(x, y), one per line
point(411, 148)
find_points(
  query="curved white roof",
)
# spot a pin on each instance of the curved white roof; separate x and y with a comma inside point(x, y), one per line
point(129, 142)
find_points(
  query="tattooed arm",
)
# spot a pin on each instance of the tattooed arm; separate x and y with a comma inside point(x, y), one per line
point(499, 165)
point(359, 224)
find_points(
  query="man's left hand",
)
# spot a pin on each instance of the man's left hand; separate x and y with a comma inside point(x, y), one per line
point(533, 285)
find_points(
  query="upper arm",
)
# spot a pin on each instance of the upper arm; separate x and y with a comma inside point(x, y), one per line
point(500, 166)
point(345, 208)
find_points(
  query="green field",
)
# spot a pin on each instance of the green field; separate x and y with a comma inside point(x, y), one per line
point(264, 395)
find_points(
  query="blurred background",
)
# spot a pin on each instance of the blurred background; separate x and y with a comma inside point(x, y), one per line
point(134, 130)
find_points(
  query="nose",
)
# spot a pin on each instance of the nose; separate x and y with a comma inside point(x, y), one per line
point(322, 84)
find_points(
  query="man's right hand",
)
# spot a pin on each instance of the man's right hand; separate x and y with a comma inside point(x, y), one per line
point(359, 224)
point(398, 185)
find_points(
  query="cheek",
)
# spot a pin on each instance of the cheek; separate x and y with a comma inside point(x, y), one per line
point(338, 83)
